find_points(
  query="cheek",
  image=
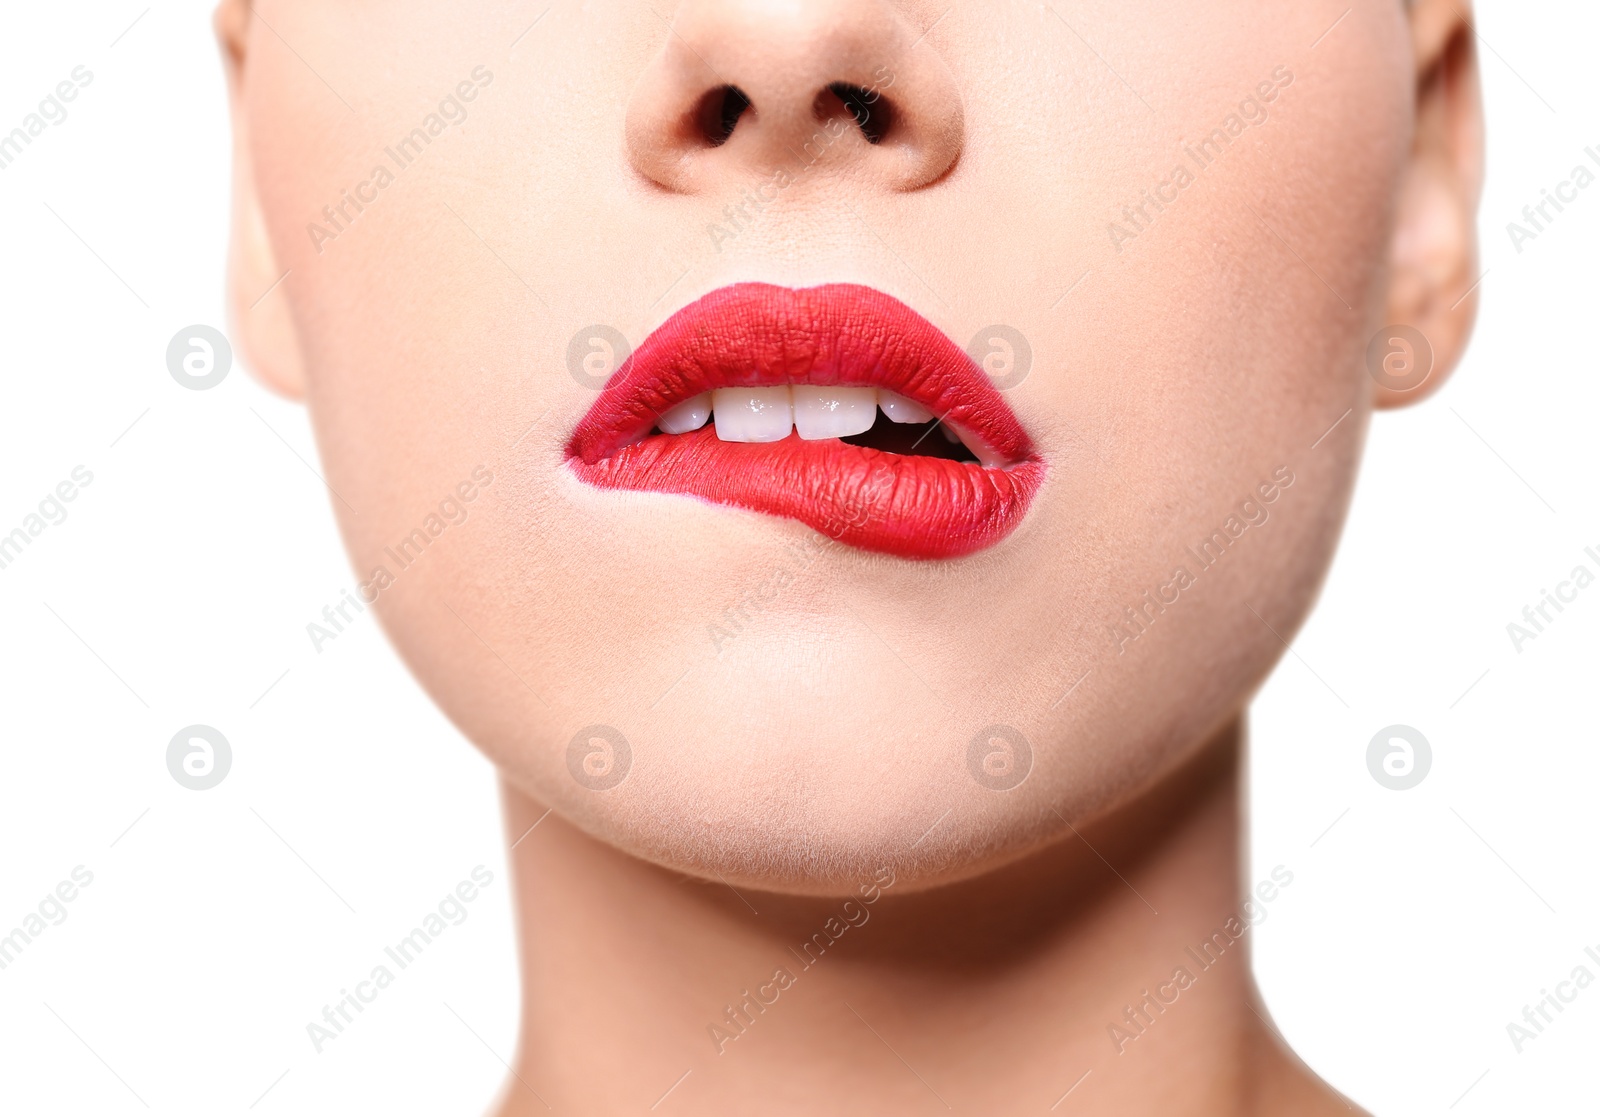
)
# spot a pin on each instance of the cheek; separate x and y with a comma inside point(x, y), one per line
point(1201, 346)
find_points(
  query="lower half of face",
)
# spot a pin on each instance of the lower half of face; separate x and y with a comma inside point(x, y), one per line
point(1164, 251)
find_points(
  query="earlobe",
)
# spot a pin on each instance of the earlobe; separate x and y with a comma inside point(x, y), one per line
point(263, 325)
point(1434, 252)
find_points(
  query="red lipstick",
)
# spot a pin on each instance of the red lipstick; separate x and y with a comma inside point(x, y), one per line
point(756, 335)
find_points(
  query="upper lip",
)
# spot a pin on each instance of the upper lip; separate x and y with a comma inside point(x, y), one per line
point(754, 335)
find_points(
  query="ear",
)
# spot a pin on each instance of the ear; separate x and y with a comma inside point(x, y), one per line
point(1433, 257)
point(263, 325)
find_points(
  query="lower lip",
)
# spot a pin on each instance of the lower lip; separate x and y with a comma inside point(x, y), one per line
point(906, 505)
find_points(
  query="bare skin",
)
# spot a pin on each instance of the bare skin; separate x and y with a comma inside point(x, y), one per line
point(1185, 354)
point(993, 996)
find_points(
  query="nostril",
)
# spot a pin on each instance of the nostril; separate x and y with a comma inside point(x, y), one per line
point(739, 88)
point(719, 111)
point(868, 106)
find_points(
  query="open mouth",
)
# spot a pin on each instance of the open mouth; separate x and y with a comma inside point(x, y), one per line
point(837, 406)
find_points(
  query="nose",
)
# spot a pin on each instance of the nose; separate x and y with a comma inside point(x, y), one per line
point(746, 87)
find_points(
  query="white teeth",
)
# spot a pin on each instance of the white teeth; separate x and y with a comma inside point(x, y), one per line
point(986, 457)
point(752, 414)
point(833, 412)
point(901, 410)
point(690, 415)
point(769, 414)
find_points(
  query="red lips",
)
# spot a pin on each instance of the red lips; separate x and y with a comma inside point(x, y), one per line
point(758, 335)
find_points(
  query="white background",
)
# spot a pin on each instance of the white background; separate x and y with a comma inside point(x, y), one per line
point(179, 587)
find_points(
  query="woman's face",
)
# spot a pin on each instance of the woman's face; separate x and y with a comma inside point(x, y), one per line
point(1184, 211)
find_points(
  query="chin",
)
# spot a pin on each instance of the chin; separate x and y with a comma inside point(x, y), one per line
point(808, 772)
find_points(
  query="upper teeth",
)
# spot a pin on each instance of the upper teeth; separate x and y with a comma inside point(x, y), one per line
point(766, 414)
point(753, 414)
point(690, 415)
point(769, 414)
point(902, 410)
point(833, 412)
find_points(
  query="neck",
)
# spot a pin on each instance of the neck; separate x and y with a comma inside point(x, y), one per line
point(1111, 969)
